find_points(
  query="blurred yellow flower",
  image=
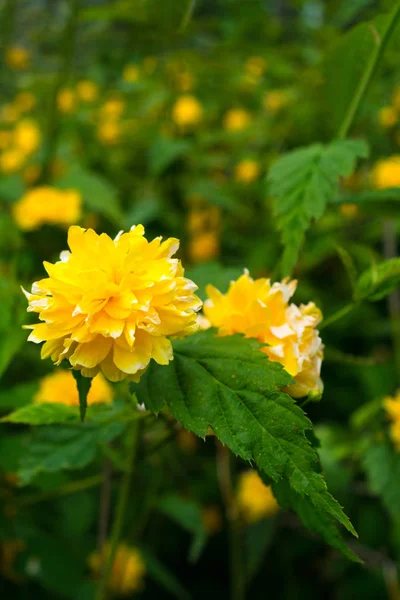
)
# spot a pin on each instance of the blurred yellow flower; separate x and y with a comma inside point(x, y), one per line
point(60, 388)
point(349, 210)
point(5, 138)
point(247, 170)
point(392, 408)
point(26, 136)
point(66, 100)
point(11, 160)
point(386, 173)
point(260, 310)
point(130, 73)
point(25, 101)
point(109, 132)
point(204, 247)
point(275, 100)
point(387, 116)
point(256, 66)
point(112, 109)
point(49, 205)
point(110, 305)
point(9, 113)
point(187, 111)
point(255, 500)
point(87, 90)
point(212, 519)
point(236, 119)
point(17, 58)
point(128, 569)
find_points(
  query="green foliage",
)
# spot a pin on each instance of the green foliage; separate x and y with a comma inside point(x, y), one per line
point(382, 467)
point(380, 280)
point(163, 576)
point(229, 385)
point(302, 182)
point(83, 384)
point(164, 152)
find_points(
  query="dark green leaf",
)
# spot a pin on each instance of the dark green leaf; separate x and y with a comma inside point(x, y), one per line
point(380, 280)
point(382, 466)
point(187, 513)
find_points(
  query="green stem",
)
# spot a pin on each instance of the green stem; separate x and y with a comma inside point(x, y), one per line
point(65, 67)
point(369, 71)
point(337, 315)
point(187, 15)
point(120, 512)
point(237, 574)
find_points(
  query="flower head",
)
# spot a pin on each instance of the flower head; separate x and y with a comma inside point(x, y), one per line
point(127, 572)
point(386, 173)
point(275, 100)
point(247, 170)
point(87, 90)
point(27, 136)
point(187, 110)
point(387, 116)
point(109, 305)
point(261, 310)
point(130, 73)
point(17, 58)
point(60, 388)
point(255, 500)
point(66, 100)
point(392, 408)
point(49, 205)
point(236, 119)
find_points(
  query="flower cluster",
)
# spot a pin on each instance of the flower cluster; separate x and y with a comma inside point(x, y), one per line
point(127, 572)
point(261, 310)
point(18, 145)
point(255, 500)
point(392, 408)
point(60, 388)
point(110, 305)
point(48, 205)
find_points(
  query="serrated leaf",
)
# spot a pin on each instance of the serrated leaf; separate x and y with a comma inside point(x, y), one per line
point(56, 447)
point(302, 182)
point(229, 385)
point(187, 513)
point(83, 384)
point(380, 280)
point(382, 466)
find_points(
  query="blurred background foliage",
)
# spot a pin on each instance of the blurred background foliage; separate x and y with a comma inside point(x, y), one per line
point(170, 114)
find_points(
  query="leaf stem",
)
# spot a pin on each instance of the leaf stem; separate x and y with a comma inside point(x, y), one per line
point(369, 72)
point(337, 315)
point(237, 576)
point(120, 512)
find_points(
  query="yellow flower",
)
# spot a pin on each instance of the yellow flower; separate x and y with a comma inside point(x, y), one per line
point(27, 136)
point(387, 116)
point(127, 572)
point(87, 90)
point(60, 388)
point(66, 100)
point(17, 58)
point(204, 246)
point(9, 113)
point(386, 173)
point(187, 110)
point(275, 100)
point(109, 132)
point(260, 310)
point(212, 519)
point(130, 73)
point(247, 170)
point(109, 305)
point(25, 101)
point(236, 119)
point(392, 408)
point(112, 109)
point(349, 210)
point(11, 160)
point(255, 500)
point(5, 138)
point(46, 204)
point(256, 66)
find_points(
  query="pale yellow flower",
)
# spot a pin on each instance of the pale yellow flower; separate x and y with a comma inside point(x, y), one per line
point(87, 90)
point(27, 136)
point(25, 101)
point(275, 100)
point(60, 388)
point(261, 310)
point(187, 111)
point(110, 305)
point(236, 119)
point(130, 73)
point(255, 500)
point(49, 205)
point(66, 101)
point(386, 173)
point(387, 116)
point(247, 170)
point(128, 569)
point(17, 58)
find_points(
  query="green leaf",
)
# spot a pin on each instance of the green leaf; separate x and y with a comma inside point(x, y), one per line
point(164, 152)
point(380, 280)
point(257, 538)
point(97, 193)
point(42, 414)
point(187, 513)
point(56, 447)
point(229, 385)
point(302, 182)
point(382, 466)
point(163, 576)
point(83, 384)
